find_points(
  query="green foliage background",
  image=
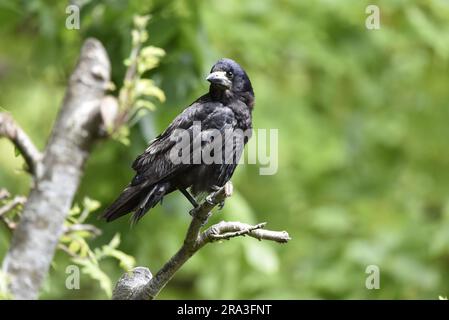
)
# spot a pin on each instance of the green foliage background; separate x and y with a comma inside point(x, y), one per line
point(363, 155)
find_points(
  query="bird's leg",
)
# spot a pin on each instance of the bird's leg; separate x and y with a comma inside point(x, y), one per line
point(189, 197)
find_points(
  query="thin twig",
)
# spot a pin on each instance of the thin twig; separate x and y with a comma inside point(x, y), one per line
point(222, 230)
point(4, 194)
point(83, 227)
point(226, 230)
point(277, 236)
point(11, 130)
point(67, 250)
point(10, 225)
point(18, 200)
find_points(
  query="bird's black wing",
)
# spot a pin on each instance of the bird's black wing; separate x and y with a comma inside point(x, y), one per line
point(153, 165)
point(156, 164)
point(235, 137)
point(156, 170)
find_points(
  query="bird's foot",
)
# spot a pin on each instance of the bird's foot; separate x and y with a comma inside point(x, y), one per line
point(209, 200)
point(221, 205)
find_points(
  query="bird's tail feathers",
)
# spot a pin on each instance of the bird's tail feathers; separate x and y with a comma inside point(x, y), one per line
point(125, 203)
point(138, 198)
point(153, 197)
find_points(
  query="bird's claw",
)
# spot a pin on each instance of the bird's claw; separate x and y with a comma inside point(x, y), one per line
point(210, 201)
point(221, 205)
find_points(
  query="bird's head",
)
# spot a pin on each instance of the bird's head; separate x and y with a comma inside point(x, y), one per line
point(227, 78)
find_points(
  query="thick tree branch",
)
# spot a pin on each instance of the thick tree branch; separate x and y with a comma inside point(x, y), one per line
point(11, 130)
point(73, 135)
point(140, 284)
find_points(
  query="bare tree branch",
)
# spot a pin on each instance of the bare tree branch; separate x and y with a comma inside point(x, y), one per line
point(16, 201)
point(11, 130)
point(226, 230)
point(4, 194)
point(76, 129)
point(12, 204)
point(140, 284)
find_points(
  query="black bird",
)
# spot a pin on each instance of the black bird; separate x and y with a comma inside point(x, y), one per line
point(225, 109)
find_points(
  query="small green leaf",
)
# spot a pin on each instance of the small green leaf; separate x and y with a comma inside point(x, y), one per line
point(126, 261)
point(152, 51)
point(140, 22)
point(115, 242)
point(121, 135)
point(16, 152)
point(65, 239)
point(74, 247)
point(149, 58)
point(91, 204)
point(110, 86)
point(71, 220)
point(75, 210)
point(93, 270)
point(85, 250)
point(146, 87)
point(145, 104)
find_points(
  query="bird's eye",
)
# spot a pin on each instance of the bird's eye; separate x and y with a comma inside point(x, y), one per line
point(229, 74)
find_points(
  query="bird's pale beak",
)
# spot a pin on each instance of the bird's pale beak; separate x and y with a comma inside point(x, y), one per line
point(219, 78)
